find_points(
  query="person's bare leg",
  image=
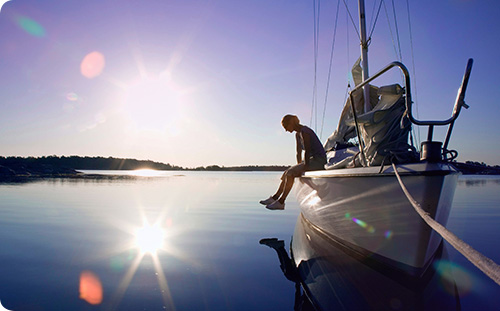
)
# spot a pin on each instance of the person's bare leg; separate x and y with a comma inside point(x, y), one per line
point(280, 188)
point(288, 186)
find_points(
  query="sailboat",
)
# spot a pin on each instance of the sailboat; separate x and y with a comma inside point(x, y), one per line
point(357, 200)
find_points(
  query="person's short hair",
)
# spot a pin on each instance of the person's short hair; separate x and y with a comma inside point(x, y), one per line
point(290, 119)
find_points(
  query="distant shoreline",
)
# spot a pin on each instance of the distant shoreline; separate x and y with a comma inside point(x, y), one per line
point(27, 168)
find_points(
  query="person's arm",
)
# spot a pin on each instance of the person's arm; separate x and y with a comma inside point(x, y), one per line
point(299, 149)
point(307, 147)
point(299, 155)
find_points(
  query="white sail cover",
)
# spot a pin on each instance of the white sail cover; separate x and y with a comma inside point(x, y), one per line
point(384, 129)
point(345, 130)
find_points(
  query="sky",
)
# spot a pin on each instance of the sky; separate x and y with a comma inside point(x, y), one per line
point(206, 82)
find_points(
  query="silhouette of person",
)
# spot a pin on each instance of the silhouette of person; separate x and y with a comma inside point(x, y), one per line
point(314, 159)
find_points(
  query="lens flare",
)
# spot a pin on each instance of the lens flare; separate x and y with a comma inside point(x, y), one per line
point(453, 274)
point(73, 97)
point(90, 288)
point(31, 26)
point(92, 65)
point(388, 234)
point(361, 223)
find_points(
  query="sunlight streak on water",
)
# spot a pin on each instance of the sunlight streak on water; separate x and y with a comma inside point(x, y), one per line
point(162, 282)
point(146, 173)
point(125, 282)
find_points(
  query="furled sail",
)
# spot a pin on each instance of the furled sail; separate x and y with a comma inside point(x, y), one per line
point(384, 129)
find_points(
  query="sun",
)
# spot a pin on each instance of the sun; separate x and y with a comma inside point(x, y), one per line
point(152, 103)
point(149, 239)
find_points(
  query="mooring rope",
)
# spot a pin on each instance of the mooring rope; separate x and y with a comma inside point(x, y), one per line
point(488, 266)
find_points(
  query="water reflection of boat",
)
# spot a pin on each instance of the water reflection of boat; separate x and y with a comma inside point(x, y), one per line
point(335, 278)
point(357, 200)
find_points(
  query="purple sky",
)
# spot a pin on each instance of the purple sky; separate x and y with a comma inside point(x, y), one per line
point(196, 83)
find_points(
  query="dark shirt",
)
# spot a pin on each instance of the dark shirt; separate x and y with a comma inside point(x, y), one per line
point(317, 150)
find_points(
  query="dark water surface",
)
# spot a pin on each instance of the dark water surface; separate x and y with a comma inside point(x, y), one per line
point(75, 245)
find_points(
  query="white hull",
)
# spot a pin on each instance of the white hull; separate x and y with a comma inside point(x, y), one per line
point(368, 212)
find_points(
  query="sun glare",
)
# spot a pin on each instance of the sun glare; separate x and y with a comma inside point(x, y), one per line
point(149, 239)
point(152, 104)
point(146, 172)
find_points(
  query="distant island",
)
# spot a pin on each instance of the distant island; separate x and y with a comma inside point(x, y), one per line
point(20, 168)
point(14, 168)
point(477, 168)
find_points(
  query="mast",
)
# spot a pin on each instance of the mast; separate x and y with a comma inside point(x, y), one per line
point(364, 54)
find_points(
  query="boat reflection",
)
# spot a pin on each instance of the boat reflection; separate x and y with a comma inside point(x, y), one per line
point(333, 278)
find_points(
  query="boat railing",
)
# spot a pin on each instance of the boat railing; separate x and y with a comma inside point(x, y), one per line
point(459, 103)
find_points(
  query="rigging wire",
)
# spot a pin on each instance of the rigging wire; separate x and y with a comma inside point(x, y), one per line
point(352, 20)
point(349, 77)
point(376, 19)
point(349, 72)
point(414, 76)
point(330, 69)
point(390, 30)
point(397, 30)
point(314, 108)
point(348, 51)
point(372, 15)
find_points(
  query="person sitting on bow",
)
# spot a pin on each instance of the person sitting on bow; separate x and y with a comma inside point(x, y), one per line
point(314, 159)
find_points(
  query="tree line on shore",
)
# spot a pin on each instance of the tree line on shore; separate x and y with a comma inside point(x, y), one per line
point(86, 163)
point(477, 168)
point(70, 164)
point(64, 166)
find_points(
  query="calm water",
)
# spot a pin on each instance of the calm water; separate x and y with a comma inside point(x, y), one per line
point(76, 245)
